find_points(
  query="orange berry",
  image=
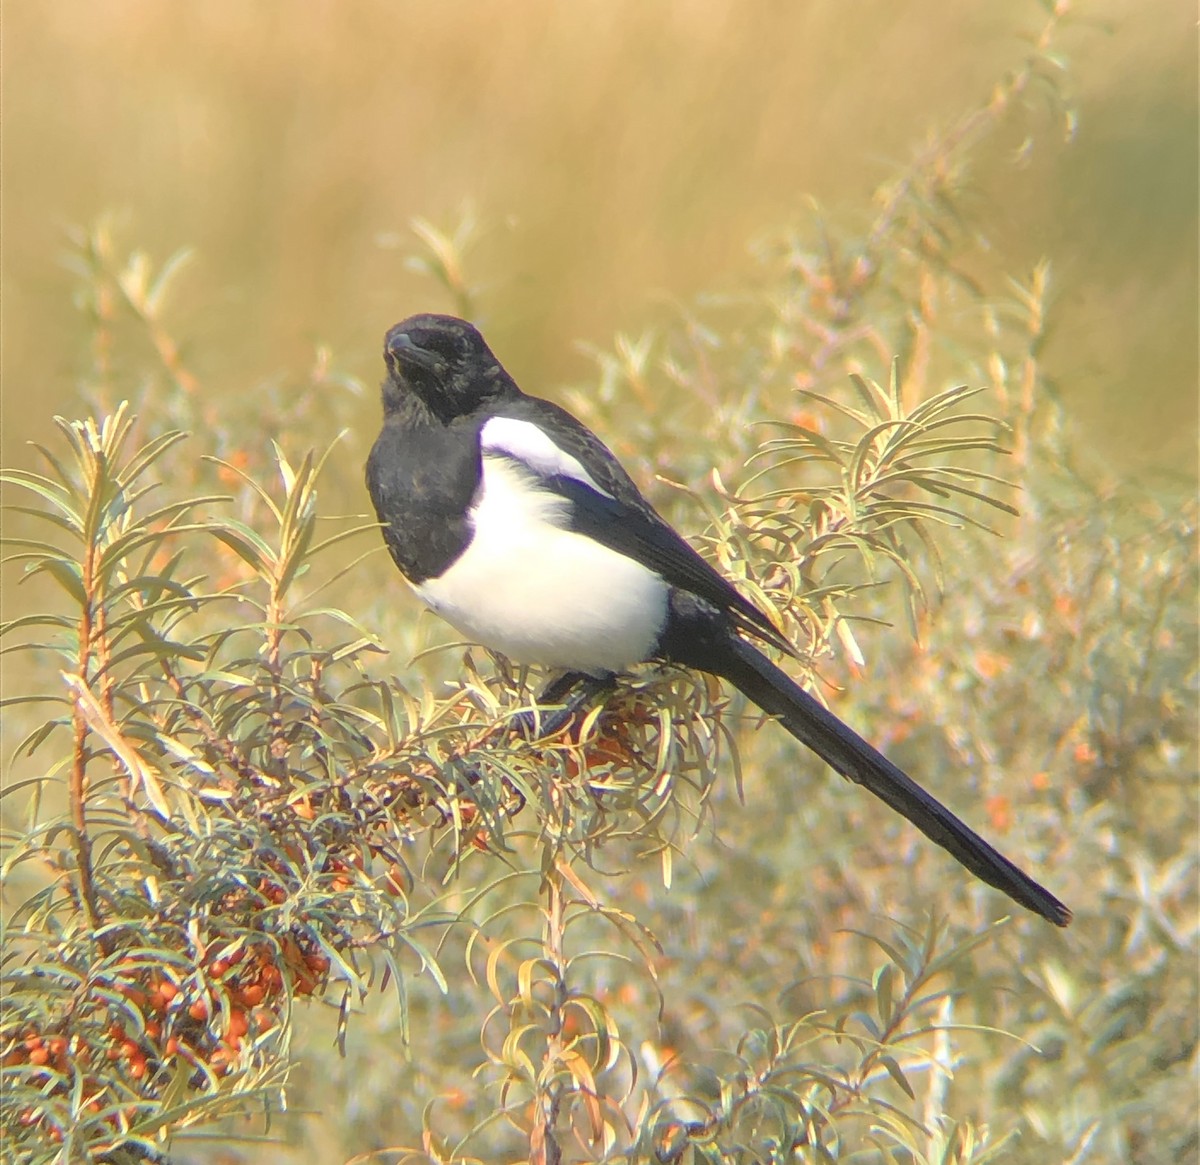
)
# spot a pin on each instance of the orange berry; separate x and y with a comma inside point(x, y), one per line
point(198, 1009)
point(252, 994)
point(271, 891)
point(238, 1024)
point(999, 809)
point(39, 1056)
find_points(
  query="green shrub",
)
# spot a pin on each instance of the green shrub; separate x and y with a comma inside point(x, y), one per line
point(226, 811)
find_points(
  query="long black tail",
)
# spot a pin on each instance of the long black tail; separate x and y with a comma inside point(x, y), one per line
point(813, 725)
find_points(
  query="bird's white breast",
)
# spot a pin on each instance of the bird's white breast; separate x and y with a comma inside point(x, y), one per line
point(543, 594)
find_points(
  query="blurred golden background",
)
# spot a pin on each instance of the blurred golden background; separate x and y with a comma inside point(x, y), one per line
point(620, 158)
point(617, 154)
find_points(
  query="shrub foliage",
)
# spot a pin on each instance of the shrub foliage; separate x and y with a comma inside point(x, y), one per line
point(221, 812)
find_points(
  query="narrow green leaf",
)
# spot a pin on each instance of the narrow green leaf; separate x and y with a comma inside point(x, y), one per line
point(147, 455)
point(246, 545)
point(66, 574)
point(893, 1070)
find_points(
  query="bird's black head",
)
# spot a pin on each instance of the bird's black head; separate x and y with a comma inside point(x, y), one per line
point(444, 364)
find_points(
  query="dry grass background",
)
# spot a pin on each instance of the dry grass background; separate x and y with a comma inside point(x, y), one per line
point(618, 152)
point(621, 156)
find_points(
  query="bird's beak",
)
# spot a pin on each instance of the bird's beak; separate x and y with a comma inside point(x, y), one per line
point(405, 353)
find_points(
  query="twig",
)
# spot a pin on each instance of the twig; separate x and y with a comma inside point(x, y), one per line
point(77, 784)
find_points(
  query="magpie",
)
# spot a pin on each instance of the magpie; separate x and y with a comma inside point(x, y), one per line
point(517, 525)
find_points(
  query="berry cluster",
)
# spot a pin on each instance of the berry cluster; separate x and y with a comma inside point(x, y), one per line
point(138, 1021)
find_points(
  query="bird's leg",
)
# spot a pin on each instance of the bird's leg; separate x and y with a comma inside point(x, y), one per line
point(532, 725)
point(556, 690)
point(586, 690)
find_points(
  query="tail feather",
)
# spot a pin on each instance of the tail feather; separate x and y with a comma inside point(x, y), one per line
point(844, 750)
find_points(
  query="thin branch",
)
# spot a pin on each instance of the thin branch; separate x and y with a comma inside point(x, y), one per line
point(77, 783)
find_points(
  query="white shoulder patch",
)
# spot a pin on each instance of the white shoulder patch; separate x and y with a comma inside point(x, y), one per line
point(532, 446)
